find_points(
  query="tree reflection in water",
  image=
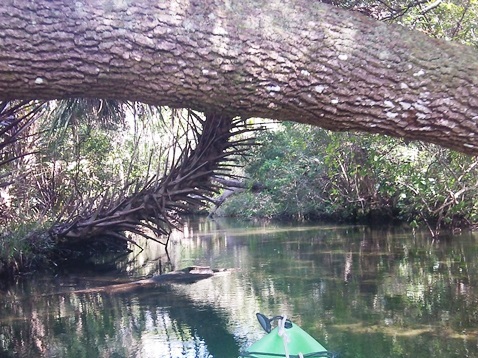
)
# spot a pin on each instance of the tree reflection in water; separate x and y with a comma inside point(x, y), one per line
point(362, 292)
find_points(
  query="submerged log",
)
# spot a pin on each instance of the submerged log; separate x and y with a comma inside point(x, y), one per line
point(187, 275)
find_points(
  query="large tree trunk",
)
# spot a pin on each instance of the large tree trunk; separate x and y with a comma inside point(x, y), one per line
point(289, 60)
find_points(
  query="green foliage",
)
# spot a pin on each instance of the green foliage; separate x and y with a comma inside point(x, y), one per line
point(454, 20)
point(83, 159)
point(23, 245)
point(312, 173)
point(252, 205)
point(451, 20)
point(286, 167)
point(438, 186)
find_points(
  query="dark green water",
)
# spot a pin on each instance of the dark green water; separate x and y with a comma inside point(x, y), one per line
point(361, 292)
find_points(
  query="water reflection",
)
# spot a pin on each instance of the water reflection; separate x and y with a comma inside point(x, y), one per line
point(361, 292)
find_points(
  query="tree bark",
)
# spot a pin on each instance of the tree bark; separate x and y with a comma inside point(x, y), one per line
point(293, 60)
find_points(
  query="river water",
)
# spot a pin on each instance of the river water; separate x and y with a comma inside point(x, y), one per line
point(361, 292)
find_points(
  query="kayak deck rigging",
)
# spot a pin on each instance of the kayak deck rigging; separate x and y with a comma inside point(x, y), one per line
point(286, 340)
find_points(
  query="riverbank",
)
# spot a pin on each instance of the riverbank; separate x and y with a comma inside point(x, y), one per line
point(23, 252)
point(38, 251)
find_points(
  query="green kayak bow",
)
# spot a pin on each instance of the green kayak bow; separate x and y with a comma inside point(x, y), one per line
point(286, 340)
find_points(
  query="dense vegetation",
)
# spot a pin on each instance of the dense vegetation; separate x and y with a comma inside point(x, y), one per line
point(310, 173)
point(59, 157)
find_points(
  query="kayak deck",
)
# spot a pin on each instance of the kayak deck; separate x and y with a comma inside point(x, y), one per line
point(287, 340)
